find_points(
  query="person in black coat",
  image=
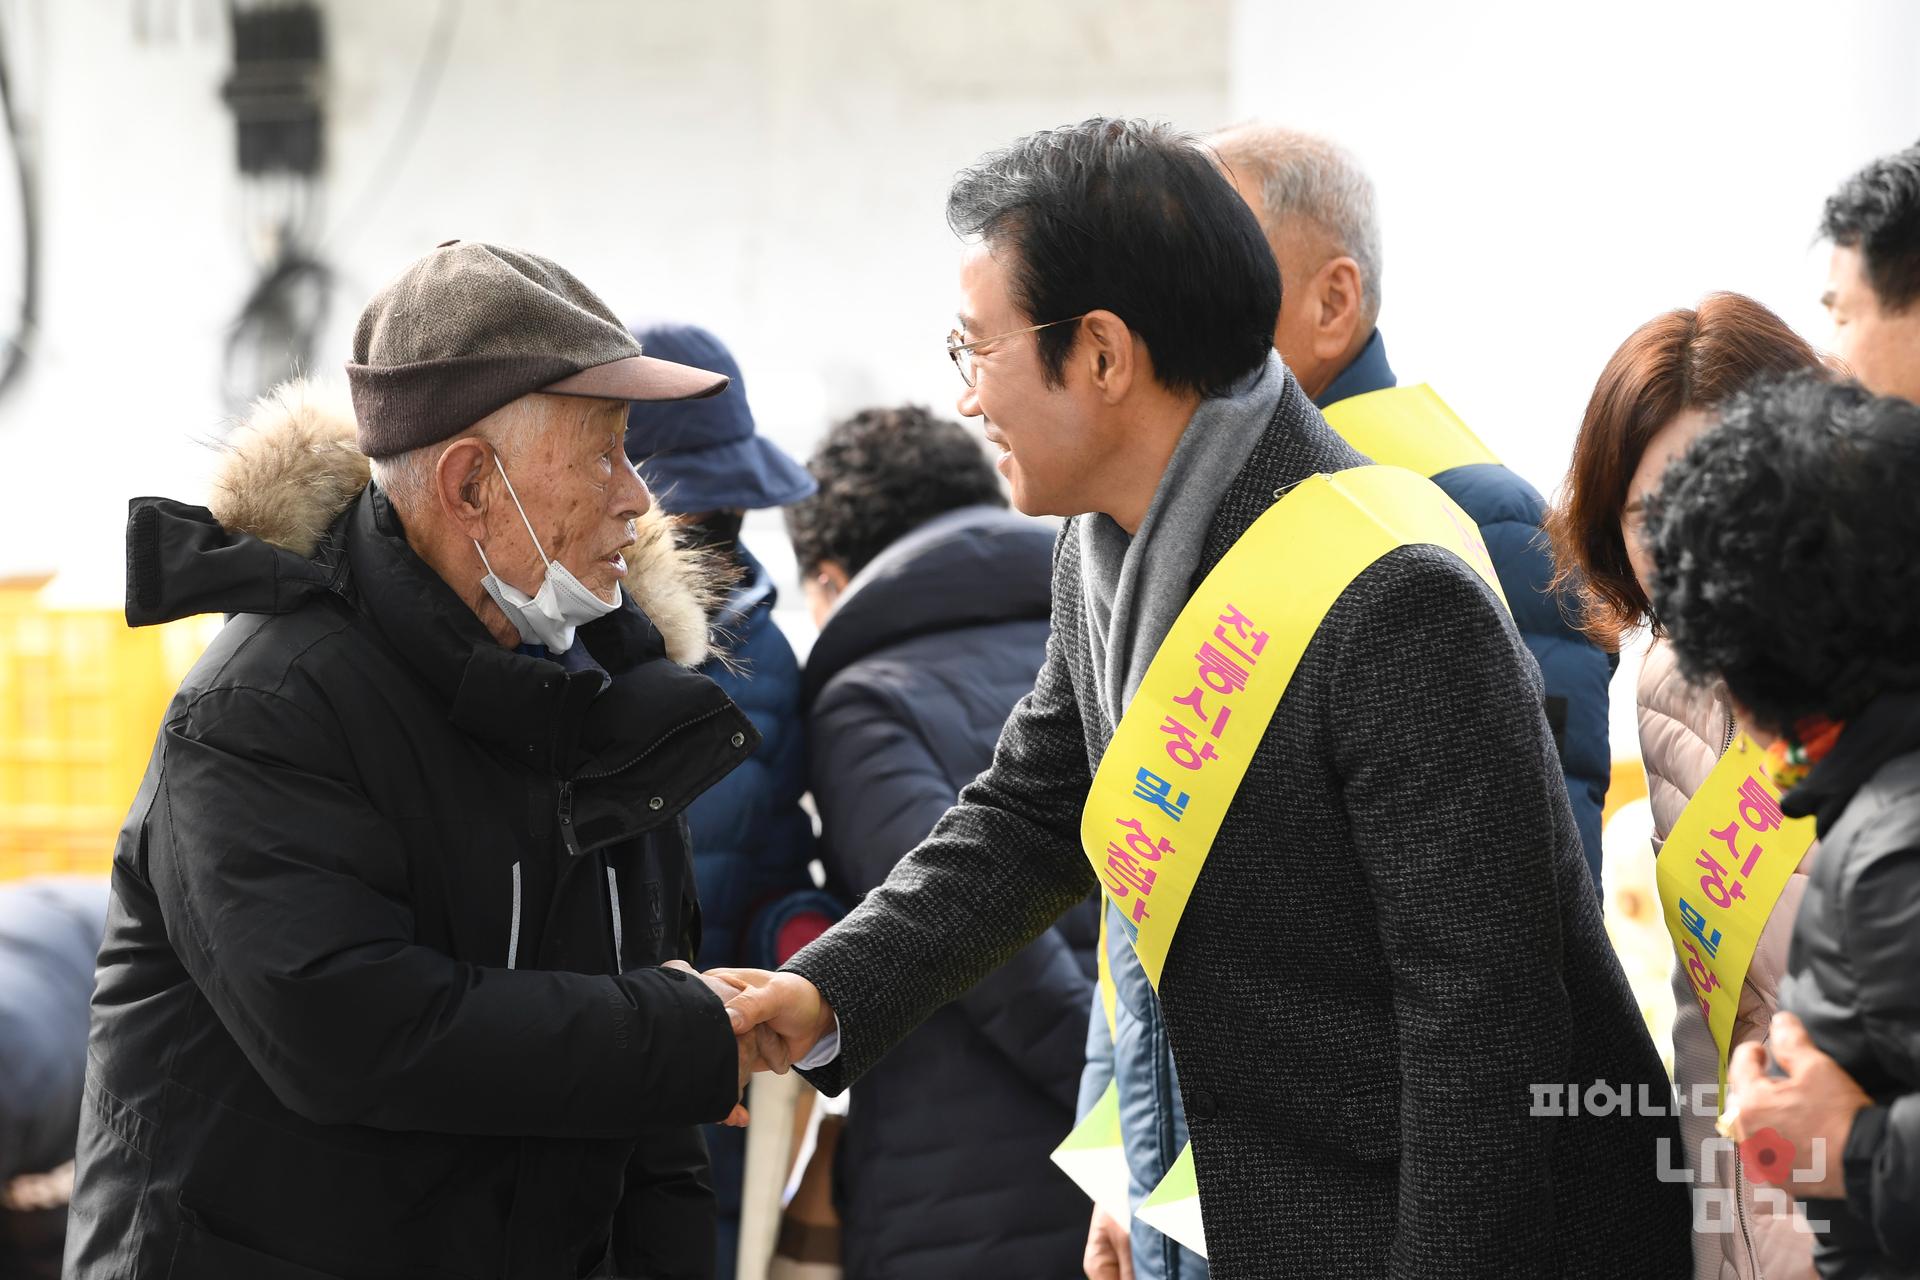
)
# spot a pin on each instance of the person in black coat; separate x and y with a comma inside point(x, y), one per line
point(1784, 550)
point(384, 991)
point(934, 603)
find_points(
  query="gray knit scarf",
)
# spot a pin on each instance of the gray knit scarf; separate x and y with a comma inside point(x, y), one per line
point(1135, 587)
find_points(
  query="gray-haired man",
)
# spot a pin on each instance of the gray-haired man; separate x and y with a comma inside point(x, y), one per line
point(1318, 209)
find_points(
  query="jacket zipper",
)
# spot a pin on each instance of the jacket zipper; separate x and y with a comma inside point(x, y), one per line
point(1740, 1206)
point(1739, 1166)
point(565, 808)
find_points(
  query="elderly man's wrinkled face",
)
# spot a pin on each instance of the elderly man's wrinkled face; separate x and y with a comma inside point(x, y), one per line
point(580, 493)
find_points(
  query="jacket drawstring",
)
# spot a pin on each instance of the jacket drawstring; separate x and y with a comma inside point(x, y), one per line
point(513, 939)
point(619, 951)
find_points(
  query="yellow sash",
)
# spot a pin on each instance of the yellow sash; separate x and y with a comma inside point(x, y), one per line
point(1409, 427)
point(1190, 733)
point(1720, 872)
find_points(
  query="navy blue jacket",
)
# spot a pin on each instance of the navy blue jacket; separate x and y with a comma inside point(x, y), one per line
point(751, 839)
point(49, 935)
point(1508, 511)
point(944, 1169)
point(1577, 672)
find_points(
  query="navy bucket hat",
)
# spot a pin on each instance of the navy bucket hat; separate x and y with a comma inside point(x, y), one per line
point(703, 455)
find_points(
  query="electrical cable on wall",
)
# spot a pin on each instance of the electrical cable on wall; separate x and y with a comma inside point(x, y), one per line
point(426, 85)
point(275, 93)
point(27, 316)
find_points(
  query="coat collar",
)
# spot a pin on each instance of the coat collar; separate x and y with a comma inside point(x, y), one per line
point(754, 593)
point(1889, 727)
point(566, 722)
point(975, 566)
point(1368, 371)
point(1297, 444)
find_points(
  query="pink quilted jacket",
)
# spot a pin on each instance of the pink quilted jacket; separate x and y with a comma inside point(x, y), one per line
point(1683, 732)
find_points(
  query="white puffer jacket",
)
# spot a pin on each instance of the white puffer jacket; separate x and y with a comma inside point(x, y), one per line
point(1684, 730)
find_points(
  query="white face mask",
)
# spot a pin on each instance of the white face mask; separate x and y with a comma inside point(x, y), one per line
point(562, 603)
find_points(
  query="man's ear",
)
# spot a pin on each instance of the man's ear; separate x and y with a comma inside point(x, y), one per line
point(460, 485)
point(1339, 308)
point(1110, 353)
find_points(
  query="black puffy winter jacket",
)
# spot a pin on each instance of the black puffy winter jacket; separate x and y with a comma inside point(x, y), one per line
point(379, 996)
point(1853, 977)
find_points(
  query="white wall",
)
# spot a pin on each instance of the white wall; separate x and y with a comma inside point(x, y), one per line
point(773, 169)
point(1552, 175)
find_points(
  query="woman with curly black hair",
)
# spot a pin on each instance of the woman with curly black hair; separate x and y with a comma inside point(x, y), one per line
point(1657, 393)
point(1783, 556)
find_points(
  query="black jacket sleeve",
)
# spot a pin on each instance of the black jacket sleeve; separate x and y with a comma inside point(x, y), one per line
point(286, 897)
point(880, 793)
point(1882, 1157)
point(1000, 867)
point(665, 1227)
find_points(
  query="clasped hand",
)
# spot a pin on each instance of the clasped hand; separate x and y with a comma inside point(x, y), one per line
point(777, 1019)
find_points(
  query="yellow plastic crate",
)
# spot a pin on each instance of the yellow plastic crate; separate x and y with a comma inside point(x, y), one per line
point(81, 697)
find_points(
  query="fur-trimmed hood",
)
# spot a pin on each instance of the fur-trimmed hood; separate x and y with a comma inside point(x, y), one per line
point(289, 471)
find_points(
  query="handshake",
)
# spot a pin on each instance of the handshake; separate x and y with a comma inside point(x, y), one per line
point(777, 1019)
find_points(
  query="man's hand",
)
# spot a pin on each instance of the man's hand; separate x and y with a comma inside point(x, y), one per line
point(783, 1013)
point(1109, 1253)
point(737, 1118)
point(1815, 1104)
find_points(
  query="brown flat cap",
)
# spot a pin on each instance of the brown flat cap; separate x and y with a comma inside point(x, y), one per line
point(471, 327)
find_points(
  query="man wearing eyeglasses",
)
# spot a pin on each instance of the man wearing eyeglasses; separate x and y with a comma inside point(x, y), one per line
point(1394, 938)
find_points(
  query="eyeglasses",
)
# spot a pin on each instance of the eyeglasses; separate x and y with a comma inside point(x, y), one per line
point(961, 353)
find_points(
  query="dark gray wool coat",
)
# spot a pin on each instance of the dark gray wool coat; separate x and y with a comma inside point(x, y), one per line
point(1395, 936)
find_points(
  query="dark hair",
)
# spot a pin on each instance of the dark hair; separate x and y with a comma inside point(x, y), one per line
point(1134, 218)
point(1783, 545)
point(1877, 211)
point(882, 473)
point(1678, 361)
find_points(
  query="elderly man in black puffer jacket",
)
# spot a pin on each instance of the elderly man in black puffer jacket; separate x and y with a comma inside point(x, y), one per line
point(382, 994)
